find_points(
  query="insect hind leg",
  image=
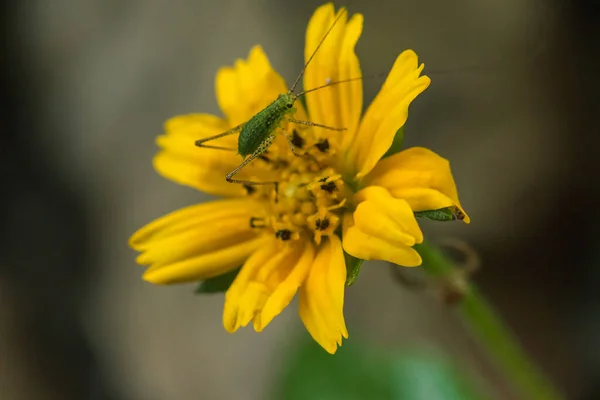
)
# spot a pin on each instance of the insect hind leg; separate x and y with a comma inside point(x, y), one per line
point(257, 153)
point(200, 142)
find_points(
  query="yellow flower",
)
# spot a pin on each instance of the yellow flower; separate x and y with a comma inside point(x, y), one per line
point(341, 195)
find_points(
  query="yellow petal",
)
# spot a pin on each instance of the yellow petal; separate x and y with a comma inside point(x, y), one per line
point(197, 242)
point(389, 219)
point(340, 105)
point(321, 300)
point(368, 247)
point(200, 239)
point(286, 288)
point(419, 176)
point(387, 113)
point(206, 265)
point(188, 217)
point(186, 172)
point(248, 87)
point(231, 310)
point(251, 288)
point(382, 228)
point(246, 307)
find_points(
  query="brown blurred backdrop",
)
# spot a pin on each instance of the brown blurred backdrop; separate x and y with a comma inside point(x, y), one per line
point(86, 86)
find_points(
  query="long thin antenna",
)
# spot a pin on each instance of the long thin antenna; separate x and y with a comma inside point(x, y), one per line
point(342, 81)
point(344, 10)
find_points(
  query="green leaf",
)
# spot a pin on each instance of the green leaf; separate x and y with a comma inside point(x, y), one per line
point(353, 265)
point(441, 214)
point(358, 371)
point(420, 376)
point(312, 373)
point(396, 144)
point(217, 284)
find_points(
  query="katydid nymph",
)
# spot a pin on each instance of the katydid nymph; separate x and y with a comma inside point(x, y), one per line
point(259, 132)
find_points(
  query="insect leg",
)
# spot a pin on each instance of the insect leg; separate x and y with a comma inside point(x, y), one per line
point(200, 142)
point(295, 121)
point(257, 153)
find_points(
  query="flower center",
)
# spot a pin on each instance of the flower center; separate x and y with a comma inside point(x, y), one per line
point(310, 195)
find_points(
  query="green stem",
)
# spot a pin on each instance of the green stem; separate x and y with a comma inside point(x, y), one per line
point(487, 325)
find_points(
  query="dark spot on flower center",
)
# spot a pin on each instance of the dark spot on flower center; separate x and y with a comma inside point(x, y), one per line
point(280, 163)
point(253, 221)
point(283, 234)
point(323, 146)
point(322, 224)
point(249, 189)
point(329, 187)
point(297, 140)
point(264, 158)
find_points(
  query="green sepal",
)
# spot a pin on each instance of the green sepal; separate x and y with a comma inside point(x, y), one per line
point(396, 144)
point(217, 284)
point(353, 265)
point(441, 214)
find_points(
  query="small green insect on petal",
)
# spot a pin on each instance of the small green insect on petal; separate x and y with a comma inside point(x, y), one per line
point(217, 284)
point(442, 214)
point(353, 265)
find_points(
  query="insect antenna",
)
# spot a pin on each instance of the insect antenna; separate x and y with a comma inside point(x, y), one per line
point(342, 12)
point(342, 81)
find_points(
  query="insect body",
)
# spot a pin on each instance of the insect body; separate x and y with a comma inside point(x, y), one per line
point(264, 124)
point(259, 132)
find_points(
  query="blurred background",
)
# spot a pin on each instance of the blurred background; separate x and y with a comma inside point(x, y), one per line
point(86, 87)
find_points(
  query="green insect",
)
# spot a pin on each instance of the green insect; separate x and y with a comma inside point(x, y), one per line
point(258, 133)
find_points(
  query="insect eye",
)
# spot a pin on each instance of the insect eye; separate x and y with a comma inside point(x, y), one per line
point(289, 105)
